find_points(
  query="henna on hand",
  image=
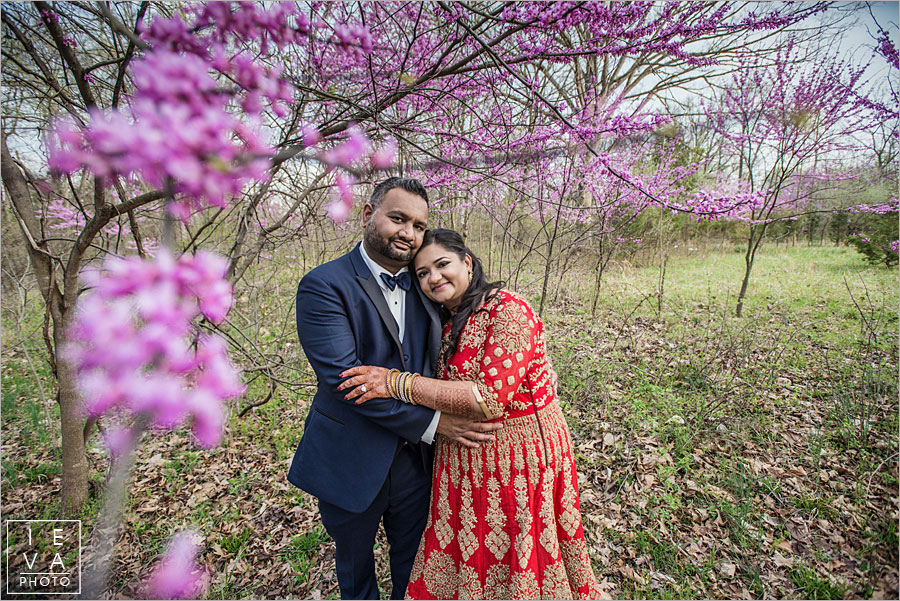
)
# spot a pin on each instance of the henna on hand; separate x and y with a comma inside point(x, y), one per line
point(448, 396)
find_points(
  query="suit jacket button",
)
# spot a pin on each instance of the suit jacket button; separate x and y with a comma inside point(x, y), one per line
point(406, 357)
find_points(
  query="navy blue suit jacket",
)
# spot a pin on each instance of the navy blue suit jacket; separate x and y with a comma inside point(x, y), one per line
point(343, 320)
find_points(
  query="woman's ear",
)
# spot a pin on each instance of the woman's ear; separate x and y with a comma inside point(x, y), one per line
point(468, 261)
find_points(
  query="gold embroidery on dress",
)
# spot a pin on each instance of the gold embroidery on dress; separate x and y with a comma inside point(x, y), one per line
point(555, 584)
point(524, 540)
point(548, 534)
point(578, 563)
point(454, 464)
point(442, 528)
point(519, 456)
point(468, 542)
point(440, 575)
point(496, 582)
point(477, 467)
point(570, 519)
point(511, 329)
point(469, 583)
point(519, 405)
point(525, 586)
point(419, 561)
point(503, 461)
point(497, 540)
point(490, 399)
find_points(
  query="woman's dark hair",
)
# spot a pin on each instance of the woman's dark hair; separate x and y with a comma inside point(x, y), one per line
point(479, 291)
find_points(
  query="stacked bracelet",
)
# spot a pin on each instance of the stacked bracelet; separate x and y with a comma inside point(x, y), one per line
point(399, 385)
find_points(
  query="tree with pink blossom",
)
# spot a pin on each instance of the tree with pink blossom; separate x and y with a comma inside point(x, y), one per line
point(786, 126)
point(220, 108)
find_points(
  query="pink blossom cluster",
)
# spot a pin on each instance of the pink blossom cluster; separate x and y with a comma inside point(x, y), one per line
point(887, 49)
point(347, 154)
point(895, 246)
point(176, 575)
point(177, 135)
point(891, 206)
point(339, 208)
point(180, 132)
point(354, 39)
point(350, 150)
point(134, 349)
point(279, 23)
point(715, 205)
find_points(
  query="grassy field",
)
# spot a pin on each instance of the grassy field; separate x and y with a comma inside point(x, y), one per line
point(718, 457)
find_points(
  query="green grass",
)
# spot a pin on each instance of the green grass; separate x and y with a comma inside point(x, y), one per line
point(810, 586)
point(235, 542)
point(302, 552)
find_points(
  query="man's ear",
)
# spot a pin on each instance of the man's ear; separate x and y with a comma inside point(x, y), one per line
point(366, 214)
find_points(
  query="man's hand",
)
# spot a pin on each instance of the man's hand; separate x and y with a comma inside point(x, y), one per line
point(466, 431)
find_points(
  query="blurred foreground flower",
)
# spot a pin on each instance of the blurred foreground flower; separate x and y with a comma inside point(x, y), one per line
point(177, 576)
point(135, 349)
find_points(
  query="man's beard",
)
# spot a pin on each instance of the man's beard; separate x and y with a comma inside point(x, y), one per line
point(376, 243)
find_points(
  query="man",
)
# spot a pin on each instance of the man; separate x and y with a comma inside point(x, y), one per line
point(372, 463)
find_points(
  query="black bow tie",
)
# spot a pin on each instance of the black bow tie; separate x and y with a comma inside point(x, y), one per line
point(401, 279)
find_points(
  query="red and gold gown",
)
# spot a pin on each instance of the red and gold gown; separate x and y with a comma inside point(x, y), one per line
point(505, 520)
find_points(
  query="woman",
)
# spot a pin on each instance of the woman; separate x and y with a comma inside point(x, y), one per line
point(504, 521)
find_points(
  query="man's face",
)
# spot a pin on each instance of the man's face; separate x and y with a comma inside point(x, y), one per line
point(394, 232)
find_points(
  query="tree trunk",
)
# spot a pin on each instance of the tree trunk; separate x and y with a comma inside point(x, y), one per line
point(749, 258)
point(75, 469)
point(598, 269)
point(74, 463)
point(549, 260)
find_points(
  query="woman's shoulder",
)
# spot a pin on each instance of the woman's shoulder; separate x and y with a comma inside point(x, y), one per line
point(507, 301)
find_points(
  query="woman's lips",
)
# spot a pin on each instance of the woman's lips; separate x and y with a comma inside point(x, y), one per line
point(439, 287)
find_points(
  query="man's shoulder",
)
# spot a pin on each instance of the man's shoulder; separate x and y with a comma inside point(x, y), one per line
point(333, 270)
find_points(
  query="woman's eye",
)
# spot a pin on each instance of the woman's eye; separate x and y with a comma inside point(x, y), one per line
point(420, 275)
point(443, 264)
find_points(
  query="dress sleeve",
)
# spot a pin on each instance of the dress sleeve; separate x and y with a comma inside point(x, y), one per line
point(510, 345)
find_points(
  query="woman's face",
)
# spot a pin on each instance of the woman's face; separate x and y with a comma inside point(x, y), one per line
point(442, 275)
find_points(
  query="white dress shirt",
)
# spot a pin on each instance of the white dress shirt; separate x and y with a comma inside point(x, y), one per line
point(396, 302)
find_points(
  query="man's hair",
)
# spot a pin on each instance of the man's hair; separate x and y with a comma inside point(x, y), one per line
point(413, 186)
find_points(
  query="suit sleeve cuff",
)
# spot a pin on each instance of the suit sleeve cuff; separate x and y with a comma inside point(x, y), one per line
point(428, 436)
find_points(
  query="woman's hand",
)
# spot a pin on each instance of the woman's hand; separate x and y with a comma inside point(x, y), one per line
point(367, 382)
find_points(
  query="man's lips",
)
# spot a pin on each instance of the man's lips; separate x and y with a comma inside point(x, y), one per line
point(401, 244)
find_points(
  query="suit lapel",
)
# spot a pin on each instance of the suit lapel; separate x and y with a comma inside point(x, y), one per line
point(367, 280)
point(434, 325)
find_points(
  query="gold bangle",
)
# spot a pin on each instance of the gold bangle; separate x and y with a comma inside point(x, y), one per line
point(392, 383)
point(408, 388)
point(480, 400)
point(390, 373)
point(399, 384)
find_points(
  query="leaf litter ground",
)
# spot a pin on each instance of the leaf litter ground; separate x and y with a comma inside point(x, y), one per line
point(716, 460)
